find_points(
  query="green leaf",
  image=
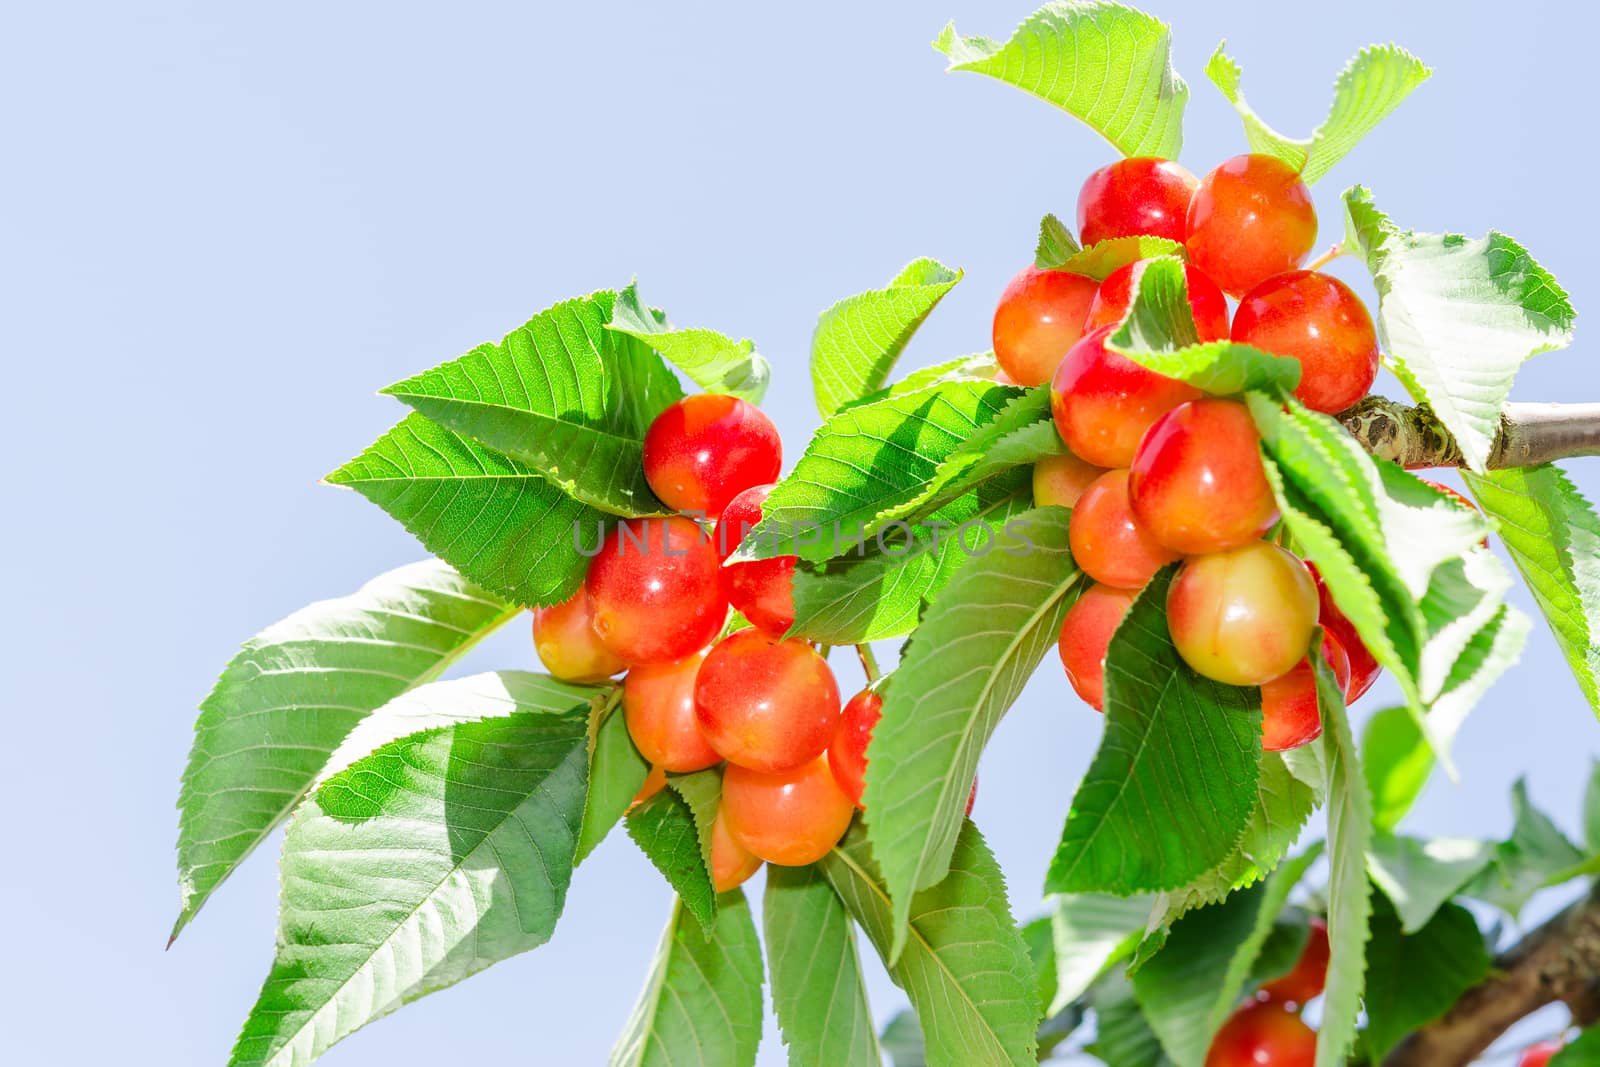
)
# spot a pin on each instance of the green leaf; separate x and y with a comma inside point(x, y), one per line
point(1103, 258)
point(1535, 854)
point(1591, 810)
point(415, 867)
point(712, 361)
point(1092, 931)
point(616, 774)
point(702, 791)
point(563, 395)
point(1172, 787)
point(664, 829)
point(291, 694)
point(902, 1040)
point(1371, 86)
point(965, 966)
point(1397, 762)
point(1582, 1051)
point(980, 366)
point(859, 339)
point(1056, 244)
point(1458, 316)
point(1105, 63)
point(957, 676)
point(497, 520)
point(1415, 977)
point(817, 990)
point(1123, 1036)
point(701, 1003)
point(1553, 536)
point(1419, 874)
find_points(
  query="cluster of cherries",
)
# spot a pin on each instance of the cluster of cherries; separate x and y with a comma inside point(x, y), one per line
point(1158, 472)
point(1268, 1029)
point(655, 603)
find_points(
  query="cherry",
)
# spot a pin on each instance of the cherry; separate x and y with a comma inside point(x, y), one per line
point(655, 590)
point(1061, 480)
point(847, 755)
point(654, 782)
point(708, 448)
point(1539, 1054)
point(1310, 974)
point(1141, 196)
point(1244, 615)
point(762, 590)
point(1364, 669)
point(790, 818)
point(1263, 1034)
point(1086, 634)
point(1197, 483)
point(1317, 320)
point(1290, 713)
point(1250, 218)
point(1108, 542)
point(1039, 317)
point(731, 863)
point(658, 700)
point(766, 704)
point(1103, 402)
point(1206, 302)
point(568, 646)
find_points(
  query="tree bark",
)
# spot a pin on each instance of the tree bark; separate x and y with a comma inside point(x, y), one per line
point(1530, 434)
point(1560, 961)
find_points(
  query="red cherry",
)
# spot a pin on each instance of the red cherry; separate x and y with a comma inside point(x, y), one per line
point(1290, 713)
point(654, 782)
point(568, 646)
point(655, 590)
point(1310, 974)
point(1108, 542)
point(1206, 302)
point(1061, 480)
point(1141, 196)
point(706, 449)
point(1263, 1034)
point(847, 755)
point(1540, 1054)
point(1039, 317)
point(1086, 634)
point(762, 590)
point(1197, 482)
point(766, 704)
point(790, 818)
point(1364, 669)
point(731, 863)
point(1250, 218)
point(658, 700)
point(1103, 402)
point(1242, 616)
point(1315, 319)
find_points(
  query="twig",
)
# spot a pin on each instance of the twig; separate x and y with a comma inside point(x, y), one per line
point(1530, 434)
point(869, 662)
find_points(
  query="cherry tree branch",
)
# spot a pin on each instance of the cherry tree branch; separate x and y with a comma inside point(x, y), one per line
point(1530, 434)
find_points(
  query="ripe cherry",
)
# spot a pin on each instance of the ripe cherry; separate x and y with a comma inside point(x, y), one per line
point(1364, 669)
point(731, 863)
point(1110, 544)
point(1086, 634)
point(708, 448)
point(847, 755)
point(568, 646)
point(1039, 317)
point(1206, 302)
point(1061, 480)
point(1539, 1054)
point(1244, 615)
point(658, 700)
point(1197, 483)
point(1290, 713)
point(654, 782)
point(1317, 320)
point(1250, 218)
point(1310, 974)
point(1103, 402)
point(655, 590)
point(762, 590)
point(1264, 1034)
point(766, 704)
point(790, 818)
point(1141, 196)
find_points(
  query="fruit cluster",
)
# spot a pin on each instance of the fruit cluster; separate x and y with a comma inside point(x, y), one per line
point(1157, 472)
point(1269, 1030)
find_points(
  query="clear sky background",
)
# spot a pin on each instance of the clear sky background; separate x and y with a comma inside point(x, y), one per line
point(226, 225)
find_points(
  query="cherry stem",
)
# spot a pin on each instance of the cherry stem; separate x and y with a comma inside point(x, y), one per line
point(869, 662)
point(1327, 257)
point(1529, 434)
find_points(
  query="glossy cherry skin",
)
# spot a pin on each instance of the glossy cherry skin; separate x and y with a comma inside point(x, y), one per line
point(1539, 1054)
point(790, 818)
point(1310, 974)
point(1039, 317)
point(761, 590)
point(1061, 480)
point(1206, 302)
point(568, 646)
point(1364, 669)
point(1108, 542)
point(708, 448)
point(1141, 196)
point(731, 863)
point(1317, 320)
point(766, 704)
point(847, 755)
point(1086, 634)
point(1250, 218)
point(1197, 483)
point(658, 700)
point(1103, 402)
point(1290, 713)
point(1264, 1034)
point(1242, 616)
point(656, 591)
